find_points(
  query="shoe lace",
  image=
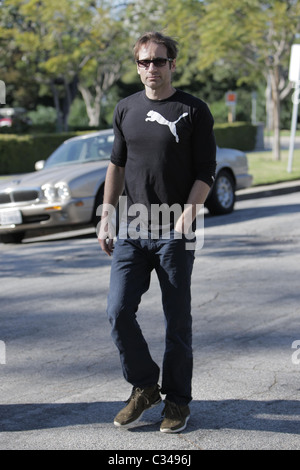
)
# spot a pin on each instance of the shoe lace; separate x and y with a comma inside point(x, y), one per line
point(136, 394)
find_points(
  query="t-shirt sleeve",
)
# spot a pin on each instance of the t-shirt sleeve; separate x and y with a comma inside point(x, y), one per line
point(204, 146)
point(119, 150)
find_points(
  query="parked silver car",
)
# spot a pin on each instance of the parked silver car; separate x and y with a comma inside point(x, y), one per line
point(68, 187)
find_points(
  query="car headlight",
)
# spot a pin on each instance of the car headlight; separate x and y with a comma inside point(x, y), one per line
point(49, 192)
point(63, 191)
point(59, 191)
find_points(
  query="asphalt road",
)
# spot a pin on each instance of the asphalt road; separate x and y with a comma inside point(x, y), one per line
point(61, 384)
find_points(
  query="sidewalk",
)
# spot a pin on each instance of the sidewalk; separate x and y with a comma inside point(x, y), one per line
point(277, 189)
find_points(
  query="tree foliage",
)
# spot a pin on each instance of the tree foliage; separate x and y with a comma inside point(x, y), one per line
point(66, 47)
point(254, 37)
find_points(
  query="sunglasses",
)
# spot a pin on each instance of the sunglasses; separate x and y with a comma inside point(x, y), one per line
point(159, 62)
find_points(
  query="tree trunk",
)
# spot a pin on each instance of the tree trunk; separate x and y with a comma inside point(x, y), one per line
point(103, 82)
point(57, 106)
point(269, 105)
point(63, 106)
point(70, 93)
point(276, 120)
point(93, 112)
point(276, 114)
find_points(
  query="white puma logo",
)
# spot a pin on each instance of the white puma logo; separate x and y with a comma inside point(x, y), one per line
point(154, 116)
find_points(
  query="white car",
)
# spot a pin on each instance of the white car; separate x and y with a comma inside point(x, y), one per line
point(68, 187)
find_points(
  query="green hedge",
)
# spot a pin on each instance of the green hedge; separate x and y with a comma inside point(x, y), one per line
point(18, 153)
point(238, 135)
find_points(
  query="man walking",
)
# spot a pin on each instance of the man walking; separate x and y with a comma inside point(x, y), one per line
point(164, 154)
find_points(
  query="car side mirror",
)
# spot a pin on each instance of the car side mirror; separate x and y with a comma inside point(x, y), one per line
point(39, 165)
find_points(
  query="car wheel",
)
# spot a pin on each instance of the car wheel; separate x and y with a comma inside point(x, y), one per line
point(222, 197)
point(12, 237)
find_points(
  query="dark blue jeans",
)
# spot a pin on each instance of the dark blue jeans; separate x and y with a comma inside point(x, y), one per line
point(132, 263)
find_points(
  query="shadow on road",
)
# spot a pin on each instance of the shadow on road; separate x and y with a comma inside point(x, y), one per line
point(251, 213)
point(274, 415)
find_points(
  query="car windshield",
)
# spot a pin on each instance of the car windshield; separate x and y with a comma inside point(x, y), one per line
point(89, 149)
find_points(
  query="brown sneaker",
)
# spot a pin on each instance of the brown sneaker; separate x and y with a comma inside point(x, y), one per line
point(139, 401)
point(175, 417)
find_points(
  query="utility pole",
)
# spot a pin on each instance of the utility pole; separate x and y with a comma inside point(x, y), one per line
point(294, 76)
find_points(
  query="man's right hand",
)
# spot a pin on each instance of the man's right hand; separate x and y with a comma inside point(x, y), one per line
point(114, 185)
point(107, 245)
point(107, 231)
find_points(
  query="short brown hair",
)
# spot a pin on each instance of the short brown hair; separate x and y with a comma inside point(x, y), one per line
point(158, 38)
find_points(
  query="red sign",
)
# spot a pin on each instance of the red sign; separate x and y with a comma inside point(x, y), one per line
point(230, 98)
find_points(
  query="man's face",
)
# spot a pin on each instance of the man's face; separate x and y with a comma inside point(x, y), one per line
point(157, 79)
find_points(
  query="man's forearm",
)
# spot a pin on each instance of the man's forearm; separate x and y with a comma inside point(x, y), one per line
point(196, 199)
point(114, 184)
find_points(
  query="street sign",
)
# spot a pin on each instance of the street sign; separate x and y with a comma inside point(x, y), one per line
point(294, 76)
point(2, 92)
point(231, 97)
point(294, 71)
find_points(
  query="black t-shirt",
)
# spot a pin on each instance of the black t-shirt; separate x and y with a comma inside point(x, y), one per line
point(165, 146)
